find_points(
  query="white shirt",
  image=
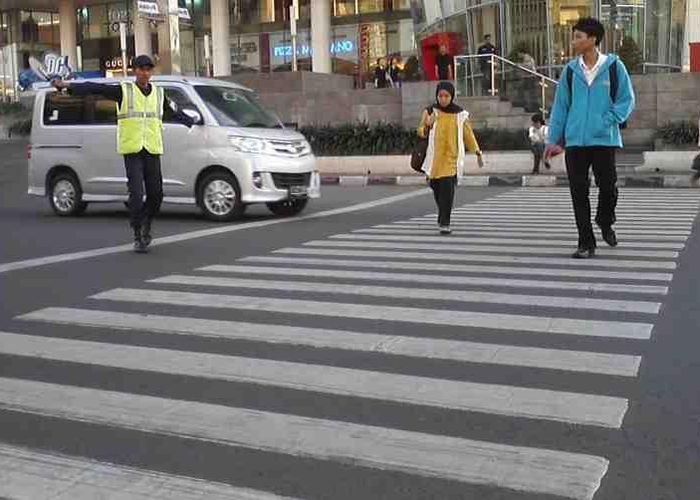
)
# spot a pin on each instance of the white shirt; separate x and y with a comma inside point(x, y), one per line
point(591, 73)
point(538, 135)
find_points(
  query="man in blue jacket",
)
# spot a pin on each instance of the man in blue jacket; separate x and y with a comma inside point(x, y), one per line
point(594, 100)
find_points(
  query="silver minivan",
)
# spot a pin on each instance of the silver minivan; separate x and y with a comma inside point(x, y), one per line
point(239, 154)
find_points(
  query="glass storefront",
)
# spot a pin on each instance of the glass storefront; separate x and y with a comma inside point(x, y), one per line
point(542, 28)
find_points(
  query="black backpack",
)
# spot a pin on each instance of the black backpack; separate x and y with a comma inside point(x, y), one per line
point(612, 73)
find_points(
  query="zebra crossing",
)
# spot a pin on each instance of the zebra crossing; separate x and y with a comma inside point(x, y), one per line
point(391, 315)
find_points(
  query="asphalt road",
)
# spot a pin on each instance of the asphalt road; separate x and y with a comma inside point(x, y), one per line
point(352, 356)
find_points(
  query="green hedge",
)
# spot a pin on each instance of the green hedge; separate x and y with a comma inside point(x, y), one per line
point(11, 108)
point(394, 139)
point(679, 133)
point(20, 128)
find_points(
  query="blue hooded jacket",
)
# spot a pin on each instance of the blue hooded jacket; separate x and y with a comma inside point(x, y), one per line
point(589, 117)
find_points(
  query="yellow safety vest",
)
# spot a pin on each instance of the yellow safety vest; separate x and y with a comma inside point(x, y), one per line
point(140, 120)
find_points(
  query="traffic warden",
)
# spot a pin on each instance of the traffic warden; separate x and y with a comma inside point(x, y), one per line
point(140, 109)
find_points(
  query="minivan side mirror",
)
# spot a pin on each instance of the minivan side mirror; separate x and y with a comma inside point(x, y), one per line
point(194, 114)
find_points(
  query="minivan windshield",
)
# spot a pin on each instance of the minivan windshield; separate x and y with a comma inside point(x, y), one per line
point(236, 108)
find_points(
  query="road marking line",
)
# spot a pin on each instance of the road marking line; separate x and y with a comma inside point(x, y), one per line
point(43, 476)
point(572, 475)
point(467, 319)
point(538, 229)
point(442, 279)
point(506, 400)
point(530, 235)
point(514, 250)
point(457, 268)
point(202, 233)
point(427, 294)
point(477, 257)
point(396, 345)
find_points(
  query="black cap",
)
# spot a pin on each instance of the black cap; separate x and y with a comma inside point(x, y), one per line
point(142, 61)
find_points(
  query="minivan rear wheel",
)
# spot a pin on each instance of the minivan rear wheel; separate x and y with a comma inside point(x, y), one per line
point(219, 197)
point(287, 208)
point(65, 195)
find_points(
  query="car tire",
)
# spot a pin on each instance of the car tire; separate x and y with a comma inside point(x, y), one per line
point(65, 195)
point(288, 208)
point(219, 197)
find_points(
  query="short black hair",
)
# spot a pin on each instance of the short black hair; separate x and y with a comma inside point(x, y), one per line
point(591, 27)
point(538, 118)
point(487, 36)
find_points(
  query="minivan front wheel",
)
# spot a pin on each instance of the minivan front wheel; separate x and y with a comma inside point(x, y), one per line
point(65, 195)
point(287, 208)
point(219, 197)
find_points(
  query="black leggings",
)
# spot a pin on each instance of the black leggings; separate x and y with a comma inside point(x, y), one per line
point(444, 192)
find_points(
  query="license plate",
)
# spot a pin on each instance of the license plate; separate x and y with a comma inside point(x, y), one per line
point(298, 191)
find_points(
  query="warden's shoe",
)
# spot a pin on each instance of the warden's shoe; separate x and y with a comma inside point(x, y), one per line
point(445, 230)
point(583, 253)
point(609, 236)
point(146, 233)
point(140, 246)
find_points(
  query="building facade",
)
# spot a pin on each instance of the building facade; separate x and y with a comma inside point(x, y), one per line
point(340, 36)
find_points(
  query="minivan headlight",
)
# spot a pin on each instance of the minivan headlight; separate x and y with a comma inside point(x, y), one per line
point(248, 144)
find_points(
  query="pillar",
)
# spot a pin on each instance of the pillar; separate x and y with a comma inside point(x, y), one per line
point(221, 47)
point(169, 41)
point(142, 35)
point(67, 24)
point(321, 36)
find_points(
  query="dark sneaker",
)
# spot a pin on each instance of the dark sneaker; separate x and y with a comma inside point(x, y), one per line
point(583, 253)
point(609, 236)
point(146, 233)
point(140, 245)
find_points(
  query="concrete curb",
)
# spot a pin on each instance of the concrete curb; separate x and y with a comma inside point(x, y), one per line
point(650, 181)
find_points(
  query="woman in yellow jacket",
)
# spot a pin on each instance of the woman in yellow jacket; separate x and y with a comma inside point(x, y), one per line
point(448, 132)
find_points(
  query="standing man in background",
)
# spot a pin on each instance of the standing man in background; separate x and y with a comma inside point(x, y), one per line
point(140, 108)
point(594, 100)
point(486, 49)
point(444, 65)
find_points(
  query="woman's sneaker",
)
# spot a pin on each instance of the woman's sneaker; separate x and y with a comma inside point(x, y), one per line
point(445, 230)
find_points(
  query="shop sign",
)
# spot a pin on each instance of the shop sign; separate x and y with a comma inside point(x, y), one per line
point(148, 7)
point(337, 47)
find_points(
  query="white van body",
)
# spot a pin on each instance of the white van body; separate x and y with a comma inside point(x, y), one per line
point(238, 155)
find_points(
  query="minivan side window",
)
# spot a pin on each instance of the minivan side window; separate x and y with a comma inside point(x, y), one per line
point(103, 111)
point(64, 109)
point(180, 99)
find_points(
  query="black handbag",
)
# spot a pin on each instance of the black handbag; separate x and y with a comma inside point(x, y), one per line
point(420, 149)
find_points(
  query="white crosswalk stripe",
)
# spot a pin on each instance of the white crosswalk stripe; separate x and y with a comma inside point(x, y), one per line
point(30, 474)
point(444, 324)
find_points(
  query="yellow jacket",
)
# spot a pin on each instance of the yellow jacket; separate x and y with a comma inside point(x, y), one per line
point(447, 140)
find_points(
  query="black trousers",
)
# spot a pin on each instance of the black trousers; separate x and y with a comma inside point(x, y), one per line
point(578, 164)
point(143, 171)
point(444, 193)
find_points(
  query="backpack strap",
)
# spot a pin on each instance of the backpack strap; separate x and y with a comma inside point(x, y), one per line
point(570, 80)
point(612, 69)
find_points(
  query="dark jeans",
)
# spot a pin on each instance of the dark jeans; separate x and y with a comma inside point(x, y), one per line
point(143, 169)
point(444, 192)
point(538, 154)
point(578, 164)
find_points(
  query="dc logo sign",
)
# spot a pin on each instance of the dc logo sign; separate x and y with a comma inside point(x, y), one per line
point(56, 66)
